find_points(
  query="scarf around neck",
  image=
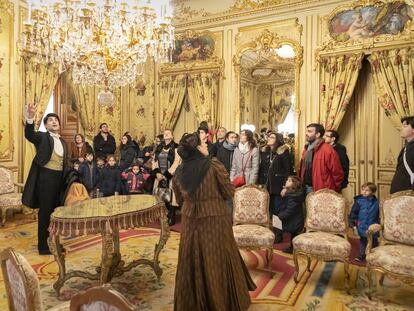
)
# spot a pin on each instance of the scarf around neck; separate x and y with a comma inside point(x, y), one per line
point(244, 148)
point(228, 146)
point(192, 171)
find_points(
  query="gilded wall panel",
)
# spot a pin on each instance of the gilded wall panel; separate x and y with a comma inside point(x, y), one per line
point(6, 94)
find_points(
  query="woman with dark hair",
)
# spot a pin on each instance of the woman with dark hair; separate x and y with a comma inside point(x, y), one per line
point(128, 154)
point(78, 148)
point(211, 274)
point(280, 167)
point(164, 164)
point(246, 159)
point(134, 142)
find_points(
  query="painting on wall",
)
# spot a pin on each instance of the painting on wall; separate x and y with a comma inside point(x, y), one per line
point(193, 48)
point(370, 21)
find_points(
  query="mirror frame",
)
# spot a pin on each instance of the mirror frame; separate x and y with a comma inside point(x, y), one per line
point(265, 41)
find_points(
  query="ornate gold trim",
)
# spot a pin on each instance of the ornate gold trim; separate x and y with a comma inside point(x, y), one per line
point(8, 7)
point(265, 41)
point(184, 12)
point(378, 42)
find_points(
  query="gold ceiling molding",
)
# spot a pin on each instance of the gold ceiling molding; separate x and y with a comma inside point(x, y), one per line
point(367, 44)
point(242, 5)
point(183, 13)
point(239, 13)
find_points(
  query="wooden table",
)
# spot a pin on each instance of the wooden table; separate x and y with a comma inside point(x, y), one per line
point(106, 216)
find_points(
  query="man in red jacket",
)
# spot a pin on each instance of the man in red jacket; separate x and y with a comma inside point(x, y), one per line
point(320, 165)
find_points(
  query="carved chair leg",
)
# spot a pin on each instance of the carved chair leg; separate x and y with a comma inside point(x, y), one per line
point(369, 277)
point(295, 260)
point(270, 257)
point(347, 276)
point(3, 216)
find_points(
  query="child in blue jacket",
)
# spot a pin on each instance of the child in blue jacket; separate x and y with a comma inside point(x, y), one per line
point(364, 213)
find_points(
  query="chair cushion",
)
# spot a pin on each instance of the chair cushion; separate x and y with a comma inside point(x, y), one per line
point(253, 235)
point(322, 244)
point(6, 181)
point(11, 199)
point(394, 258)
point(251, 205)
point(32, 282)
point(17, 292)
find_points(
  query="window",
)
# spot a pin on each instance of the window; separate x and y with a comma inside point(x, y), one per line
point(49, 109)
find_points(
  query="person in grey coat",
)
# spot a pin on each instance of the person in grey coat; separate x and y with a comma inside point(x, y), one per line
point(247, 156)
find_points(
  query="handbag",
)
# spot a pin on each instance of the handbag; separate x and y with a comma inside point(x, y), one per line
point(163, 192)
point(240, 180)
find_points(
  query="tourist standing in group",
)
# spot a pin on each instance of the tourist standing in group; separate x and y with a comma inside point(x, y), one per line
point(246, 159)
point(164, 164)
point(44, 183)
point(104, 142)
point(211, 274)
point(127, 152)
point(404, 173)
point(332, 137)
point(226, 150)
point(203, 133)
point(275, 167)
point(320, 166)
point(109, 182)
point(78, 149)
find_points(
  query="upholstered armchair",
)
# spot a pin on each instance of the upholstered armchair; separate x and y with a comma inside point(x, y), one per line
point(251, 220)
point(100, 298)
point(9, 199)
point(394, 255)
point(22, 284)
point(325, 237)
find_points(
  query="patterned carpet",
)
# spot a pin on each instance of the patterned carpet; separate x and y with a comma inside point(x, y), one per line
point(321, 289)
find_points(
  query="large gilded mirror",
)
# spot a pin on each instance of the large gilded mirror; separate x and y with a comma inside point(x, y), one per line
point(267, 73)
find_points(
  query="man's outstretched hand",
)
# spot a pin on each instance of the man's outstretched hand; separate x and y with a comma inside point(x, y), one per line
point(30, 111)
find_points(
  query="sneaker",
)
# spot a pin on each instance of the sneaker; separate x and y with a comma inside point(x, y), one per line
point(359, 259)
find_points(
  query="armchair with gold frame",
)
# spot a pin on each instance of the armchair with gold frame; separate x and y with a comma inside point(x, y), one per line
point(252, 227)
point(325, 237)
point(394, 255)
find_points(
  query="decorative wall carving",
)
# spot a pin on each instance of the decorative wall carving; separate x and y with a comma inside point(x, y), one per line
point(240, 5)
point(184, 12)
point(6, 56)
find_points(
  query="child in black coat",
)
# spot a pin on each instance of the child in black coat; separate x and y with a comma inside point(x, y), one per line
point(109, 182)
point(88, 172)
point(291, 212)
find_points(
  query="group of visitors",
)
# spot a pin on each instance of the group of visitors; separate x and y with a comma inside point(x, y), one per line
point(202, 176)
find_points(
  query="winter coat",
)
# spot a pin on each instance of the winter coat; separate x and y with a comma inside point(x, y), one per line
point(127, 156)
point(74, 151)
point(401, 180)
point(109, 180)
point(135, 182)
point(173, 162)
point(103, 148)
point(225, 156)
point(251, 172)
point(343, 158)
point(364, 213)
point(291, 212)
point(212, 149)
point(277, 171)
point(89, 180)
point(326, 168)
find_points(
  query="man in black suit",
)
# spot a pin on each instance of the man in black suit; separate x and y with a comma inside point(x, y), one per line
point(44, 182)
point(332, 137)
point(103, 142)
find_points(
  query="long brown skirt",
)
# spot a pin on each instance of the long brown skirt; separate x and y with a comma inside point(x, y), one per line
point(211, 274)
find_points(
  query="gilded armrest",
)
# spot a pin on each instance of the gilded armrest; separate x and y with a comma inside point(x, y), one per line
point(374, 228)
point(19, 184)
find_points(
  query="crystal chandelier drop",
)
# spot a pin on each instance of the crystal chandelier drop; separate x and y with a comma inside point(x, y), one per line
point(104, 43)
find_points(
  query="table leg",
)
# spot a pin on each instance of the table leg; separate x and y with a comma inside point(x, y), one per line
point(164, 235)
point(107, 255)
point(56, 249)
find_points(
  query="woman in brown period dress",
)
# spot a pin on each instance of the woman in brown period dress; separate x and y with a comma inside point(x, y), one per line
point(211, 274)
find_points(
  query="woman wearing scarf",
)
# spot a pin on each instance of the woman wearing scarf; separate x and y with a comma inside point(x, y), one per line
point(246, 159)
point(211, 274)
point(226, 150)
point(78, 148)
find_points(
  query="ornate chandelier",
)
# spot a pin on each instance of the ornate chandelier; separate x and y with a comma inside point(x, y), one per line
point(104, 43)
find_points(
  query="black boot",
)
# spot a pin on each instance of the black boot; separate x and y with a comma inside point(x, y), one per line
point(278, 235)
